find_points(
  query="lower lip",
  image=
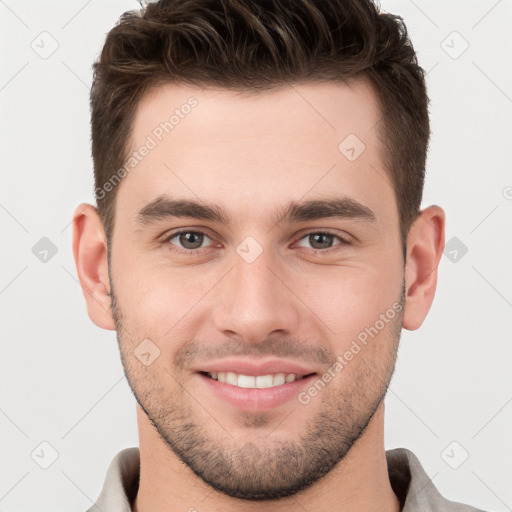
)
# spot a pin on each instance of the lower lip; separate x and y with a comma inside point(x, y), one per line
point(254, 400)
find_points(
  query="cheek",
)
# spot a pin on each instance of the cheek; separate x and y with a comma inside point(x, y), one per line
point(158, 302)
point(349, 299)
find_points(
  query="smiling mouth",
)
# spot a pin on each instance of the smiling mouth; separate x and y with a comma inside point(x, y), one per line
point(254, 382)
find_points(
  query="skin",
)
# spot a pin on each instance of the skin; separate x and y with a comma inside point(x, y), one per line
point(250, 155)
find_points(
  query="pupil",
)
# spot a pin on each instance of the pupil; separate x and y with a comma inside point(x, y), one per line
point(188, 238)
point(323, 245)
point(323, 240)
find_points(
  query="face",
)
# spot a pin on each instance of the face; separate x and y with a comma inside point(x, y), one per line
point(289, 262)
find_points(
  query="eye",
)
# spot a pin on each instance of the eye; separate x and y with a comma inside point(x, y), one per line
point(190, 241)
point(322, 241)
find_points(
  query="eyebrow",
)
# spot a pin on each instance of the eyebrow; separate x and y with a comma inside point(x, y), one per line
point(165, 207)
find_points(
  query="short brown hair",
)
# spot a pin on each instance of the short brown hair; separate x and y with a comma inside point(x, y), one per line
point(255, 45)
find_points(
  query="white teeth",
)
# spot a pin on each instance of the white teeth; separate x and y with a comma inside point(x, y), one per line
point(244, 381)
point(279, 379)
point(231, 378)
point(264, 381)
point(250, 381)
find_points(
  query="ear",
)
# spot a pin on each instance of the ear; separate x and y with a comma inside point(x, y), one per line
point(425, 244)
point(90, 253)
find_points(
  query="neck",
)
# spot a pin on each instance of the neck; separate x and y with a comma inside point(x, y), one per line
point(360, 482)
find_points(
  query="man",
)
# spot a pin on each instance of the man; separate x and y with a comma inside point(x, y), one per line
point(258, 245)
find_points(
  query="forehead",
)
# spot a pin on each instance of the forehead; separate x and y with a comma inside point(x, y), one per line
point(329, 110)
point(253, 151)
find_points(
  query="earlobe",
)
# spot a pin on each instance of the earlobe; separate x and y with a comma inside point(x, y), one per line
point(90, 253)
point(425, 245)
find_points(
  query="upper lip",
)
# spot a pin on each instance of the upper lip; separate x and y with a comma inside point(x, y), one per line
point(246, 367)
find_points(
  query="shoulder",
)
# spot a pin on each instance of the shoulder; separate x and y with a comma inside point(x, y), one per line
point(414, 487)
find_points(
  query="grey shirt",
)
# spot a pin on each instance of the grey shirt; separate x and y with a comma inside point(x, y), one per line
point(408, 479)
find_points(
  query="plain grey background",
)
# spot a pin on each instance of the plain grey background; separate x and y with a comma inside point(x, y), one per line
point(65, 406)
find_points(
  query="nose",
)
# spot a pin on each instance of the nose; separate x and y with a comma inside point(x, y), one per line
point(256, 300)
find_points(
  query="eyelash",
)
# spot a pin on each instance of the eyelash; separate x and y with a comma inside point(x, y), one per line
point(200, 251)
